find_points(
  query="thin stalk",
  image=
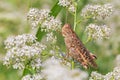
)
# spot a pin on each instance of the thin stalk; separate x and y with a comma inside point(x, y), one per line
point(75, 23)
point(72, 64)
point(88, 39)
point(75, 17)
point(66, 16)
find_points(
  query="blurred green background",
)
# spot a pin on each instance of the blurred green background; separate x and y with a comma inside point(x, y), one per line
point(13, 22)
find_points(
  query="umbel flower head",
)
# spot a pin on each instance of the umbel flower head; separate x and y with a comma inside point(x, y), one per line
point(33, 77)
point(51, 24)
point(23, 50)
point(114, 75)
point(51, 38)
point(55, 70)
point(97, 11)
point(69, 4)
point(98, 32)
point(42, 17)
point(36, 16)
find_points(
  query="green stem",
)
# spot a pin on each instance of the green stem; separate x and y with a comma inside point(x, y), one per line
point(75, 23)
point(75, 16)
point(72, 64)
point(89, 38)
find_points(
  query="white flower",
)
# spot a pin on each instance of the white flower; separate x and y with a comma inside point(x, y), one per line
point(55, 70)
point(106, 31)
point(33, 14)
point(105, 11)
point(51, 24)
point(39, 46)
point(24, 50)
point(48, 23)
point(32, 77)
point(36, 16)
point(97, 11)
point(71, 8)
point(19, 40)
point(108, 76)
point(18, 66)
point(64, 3)
point(36, 63)
point(51, 38)
point(97, 76)
point(98, 32)
point(68, 4)
point(9, 42)
point(114, 75)
point(38, 76)
point(27, 77)
point(44, 13)
point(18, 57)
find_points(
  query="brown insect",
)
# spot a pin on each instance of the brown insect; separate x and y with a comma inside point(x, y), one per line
point(76, 48)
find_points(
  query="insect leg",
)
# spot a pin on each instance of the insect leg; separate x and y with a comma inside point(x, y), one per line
point(93, 56)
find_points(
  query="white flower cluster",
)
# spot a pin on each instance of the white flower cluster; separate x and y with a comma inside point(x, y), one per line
point(96, 76)
point(51, 24)
point(23, 50)
point(19, 40)
point(32, 77)
point(68, 4)
point(98, 32)
point(54, 70)
point(36, 17)
point(115, 75)
point(97, 11)
point(51, 38)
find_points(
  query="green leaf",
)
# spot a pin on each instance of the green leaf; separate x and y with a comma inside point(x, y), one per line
point(40, 34)
point(26, 71)
point(54, 12)
point(81, 4)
